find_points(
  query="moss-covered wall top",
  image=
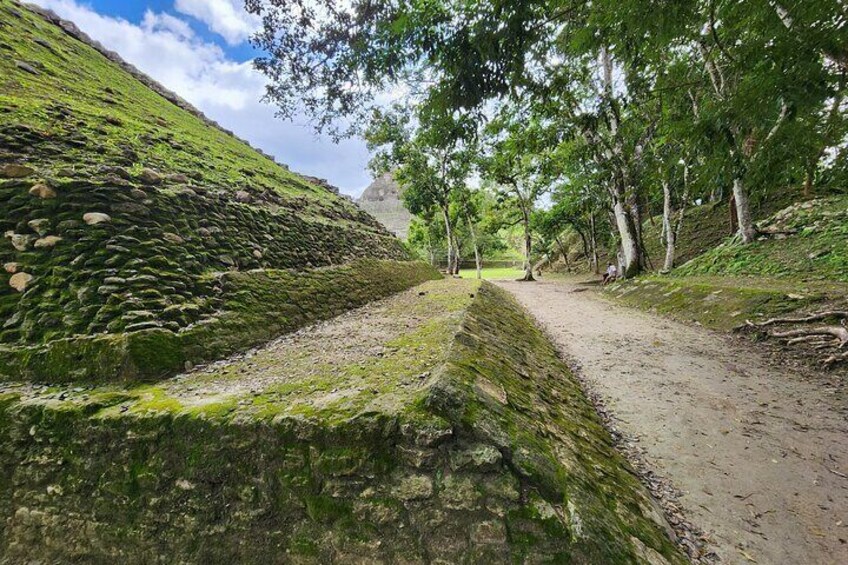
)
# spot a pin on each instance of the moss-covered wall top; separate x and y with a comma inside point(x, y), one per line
point(250, 308)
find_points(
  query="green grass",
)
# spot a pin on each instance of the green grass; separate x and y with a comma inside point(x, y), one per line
point(815, 247)
point(81, 111)
point(722, 303)
point(493, 273)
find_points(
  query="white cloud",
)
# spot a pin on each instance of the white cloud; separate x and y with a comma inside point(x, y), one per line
point(227, 18)
point(168, 23)
point(228, 91)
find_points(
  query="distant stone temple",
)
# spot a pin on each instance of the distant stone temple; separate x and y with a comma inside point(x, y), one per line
point(382, 200)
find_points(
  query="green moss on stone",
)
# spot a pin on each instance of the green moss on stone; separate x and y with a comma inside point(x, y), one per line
point(280, 472)
point(256, 306)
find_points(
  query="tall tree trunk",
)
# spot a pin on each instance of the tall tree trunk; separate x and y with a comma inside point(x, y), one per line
point(627, 230)
point(448, 238)
point(829, 129)
point(734, 224)
point(743, 212)
point(528, 243)
point(807, 192)
point(478, 261)
point(629, 242)
point(430, 254)
point(739, 196)
point(564, 252)
point(677, 228)
point(668, 229)
point(584, 241)
point(635, 211)
point(456, 256)
point(593, 242)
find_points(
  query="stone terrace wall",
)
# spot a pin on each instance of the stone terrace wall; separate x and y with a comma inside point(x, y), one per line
point(499, 458)
point(116, 256)
point(252, 307)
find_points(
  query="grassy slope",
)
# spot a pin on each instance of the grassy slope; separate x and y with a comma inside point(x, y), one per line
point(814, 247)
point(704, 228)
point(81, 110)
point(723, 303)
point(801, 269)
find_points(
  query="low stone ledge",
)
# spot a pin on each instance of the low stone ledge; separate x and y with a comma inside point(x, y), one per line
point(257, 306)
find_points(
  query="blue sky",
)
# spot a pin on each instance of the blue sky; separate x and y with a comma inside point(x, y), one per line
point(200, 50)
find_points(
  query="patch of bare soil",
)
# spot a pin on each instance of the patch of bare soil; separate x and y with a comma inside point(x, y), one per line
point(755, 456)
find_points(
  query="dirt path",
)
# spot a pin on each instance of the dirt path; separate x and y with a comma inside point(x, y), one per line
point(759, 455)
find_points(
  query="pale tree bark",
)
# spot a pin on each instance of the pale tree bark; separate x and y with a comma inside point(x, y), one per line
point(456, 256)
point(740, 196)
point(448, 238)
point(623, 209)
point(673, 226)
point(744, 218)
point(684, 202)
point(478, 261)
point(747, 231)
point(593, 242)
point(741, 153)
point(668, 229)
point(528, 243)
point(629, 243)
point(431, 254)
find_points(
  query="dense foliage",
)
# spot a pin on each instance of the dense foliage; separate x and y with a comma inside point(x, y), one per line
point(619, 110)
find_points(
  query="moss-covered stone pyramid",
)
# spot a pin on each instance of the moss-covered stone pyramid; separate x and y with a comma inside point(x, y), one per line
point(158, 406)
point(132, 224)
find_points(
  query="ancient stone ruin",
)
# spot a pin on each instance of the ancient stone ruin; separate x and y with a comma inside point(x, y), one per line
point(207, 358)
point(382, 200)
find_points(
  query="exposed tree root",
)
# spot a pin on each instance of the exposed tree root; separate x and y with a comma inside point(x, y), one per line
point(836, 331)
point(776, 231)
point(811, 318)
point(835, 358)
point(814, 340)
point(823, 339)
point(528, 277)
